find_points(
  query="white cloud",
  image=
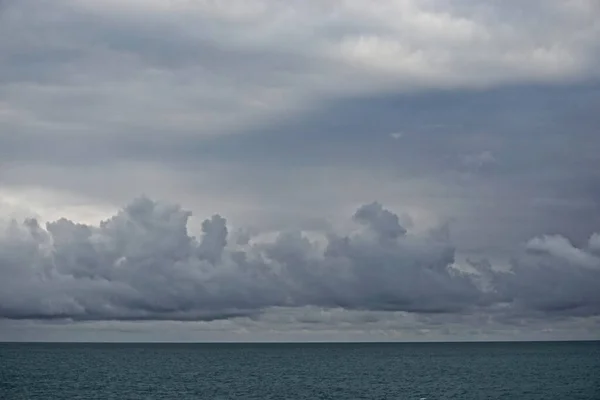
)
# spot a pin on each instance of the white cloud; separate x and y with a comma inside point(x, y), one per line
point(561, 248)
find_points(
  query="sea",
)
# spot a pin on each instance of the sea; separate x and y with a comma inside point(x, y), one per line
point(302, 371)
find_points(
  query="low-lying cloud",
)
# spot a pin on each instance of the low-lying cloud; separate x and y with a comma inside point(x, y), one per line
point(142, 264)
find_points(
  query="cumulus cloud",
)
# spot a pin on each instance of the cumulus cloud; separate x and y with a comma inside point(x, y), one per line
point(142, 264)
point(382, 221)
point(553, 276)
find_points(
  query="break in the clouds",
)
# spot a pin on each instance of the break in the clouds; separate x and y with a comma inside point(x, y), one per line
point(473, 124)
point(141, 264)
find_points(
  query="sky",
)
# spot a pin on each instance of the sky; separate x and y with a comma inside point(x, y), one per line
point(315, 170)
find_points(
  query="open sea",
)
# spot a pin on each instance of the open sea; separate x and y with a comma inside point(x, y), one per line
point(539, 370)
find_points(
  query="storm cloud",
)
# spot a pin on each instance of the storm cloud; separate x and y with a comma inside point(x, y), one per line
point(142, 264)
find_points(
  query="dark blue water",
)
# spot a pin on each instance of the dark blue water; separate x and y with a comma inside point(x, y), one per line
point(564, 370)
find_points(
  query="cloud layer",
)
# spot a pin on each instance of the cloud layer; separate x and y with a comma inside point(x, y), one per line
point(187, 66)
point(481, 115)
point(142, 264)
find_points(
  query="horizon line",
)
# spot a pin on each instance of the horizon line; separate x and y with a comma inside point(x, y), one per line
point(2, 342)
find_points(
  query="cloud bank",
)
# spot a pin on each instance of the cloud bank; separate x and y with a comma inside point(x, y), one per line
point(142, 264)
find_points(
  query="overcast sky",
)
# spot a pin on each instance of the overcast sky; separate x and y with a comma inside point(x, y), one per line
point(199, 170)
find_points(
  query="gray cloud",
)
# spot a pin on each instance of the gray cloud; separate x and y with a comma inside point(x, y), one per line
point(100, 68)
point(553, 277)
point(382, 221)
point(142, 264)
point(276, 113)
point(148, 91)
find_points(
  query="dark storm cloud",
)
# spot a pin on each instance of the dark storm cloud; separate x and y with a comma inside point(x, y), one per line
point(142, 264)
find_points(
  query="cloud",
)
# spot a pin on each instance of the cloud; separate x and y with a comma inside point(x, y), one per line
point(552, 276)
point(96, 67)
point(142, 264)
point(559, 247)
point(382, 221)
point(252, 100)
point(284, 110)
point(594, 243)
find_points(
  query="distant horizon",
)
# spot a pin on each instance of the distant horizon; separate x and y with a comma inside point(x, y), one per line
point(315, 342)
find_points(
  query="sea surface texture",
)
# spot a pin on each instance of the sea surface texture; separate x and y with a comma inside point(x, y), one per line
point(519, 371)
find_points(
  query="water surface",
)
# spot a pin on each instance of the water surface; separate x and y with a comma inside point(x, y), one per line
point(543, 370)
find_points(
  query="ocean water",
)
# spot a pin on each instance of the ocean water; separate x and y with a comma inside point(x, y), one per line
point(550, 370)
